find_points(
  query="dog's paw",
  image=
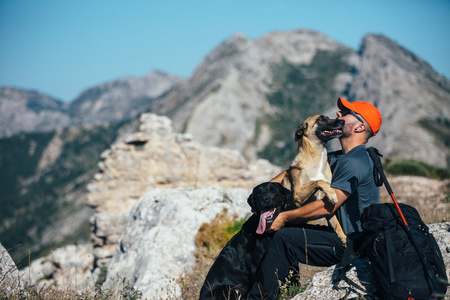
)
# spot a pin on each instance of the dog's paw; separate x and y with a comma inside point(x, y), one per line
point(332, 197)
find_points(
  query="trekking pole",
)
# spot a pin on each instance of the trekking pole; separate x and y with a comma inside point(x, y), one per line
point(375, 156)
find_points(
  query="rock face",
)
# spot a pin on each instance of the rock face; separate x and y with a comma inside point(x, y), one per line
point(158, 243)
point(410, 96)
point(157, 157)
point(232, 100)
point(269, 85)
point(359, 279)
point(10, 279)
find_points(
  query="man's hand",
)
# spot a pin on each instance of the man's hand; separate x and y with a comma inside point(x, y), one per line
point(278, 223)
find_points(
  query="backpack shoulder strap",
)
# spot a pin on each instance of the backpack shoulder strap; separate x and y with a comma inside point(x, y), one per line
point(389, 251)
point(375, 155)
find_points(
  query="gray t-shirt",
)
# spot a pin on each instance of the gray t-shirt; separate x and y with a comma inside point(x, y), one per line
point(353, 173)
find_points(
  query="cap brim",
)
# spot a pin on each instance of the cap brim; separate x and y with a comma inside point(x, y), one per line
point(343, 104)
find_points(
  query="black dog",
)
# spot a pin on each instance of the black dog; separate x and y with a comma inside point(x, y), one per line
point(233, 272)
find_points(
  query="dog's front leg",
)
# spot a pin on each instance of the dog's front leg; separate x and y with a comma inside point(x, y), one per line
point(334, 223)
point(330, 193)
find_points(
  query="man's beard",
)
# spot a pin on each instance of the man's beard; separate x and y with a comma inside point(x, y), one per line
point(345, 135)
point(347, 132)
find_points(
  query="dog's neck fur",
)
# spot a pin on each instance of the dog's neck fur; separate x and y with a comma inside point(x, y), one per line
point(321, 156)
point(323, 162)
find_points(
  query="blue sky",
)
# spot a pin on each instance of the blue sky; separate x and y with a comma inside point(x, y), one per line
point(62, 47)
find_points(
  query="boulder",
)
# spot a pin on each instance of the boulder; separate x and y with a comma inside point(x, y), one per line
point(158, 243)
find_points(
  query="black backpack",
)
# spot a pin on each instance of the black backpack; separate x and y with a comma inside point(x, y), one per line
point(397, 266)
point(405, 257)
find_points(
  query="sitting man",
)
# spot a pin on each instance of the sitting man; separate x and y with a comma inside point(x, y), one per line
point(353, 181)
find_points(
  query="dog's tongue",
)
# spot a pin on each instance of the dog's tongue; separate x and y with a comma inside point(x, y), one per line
point(262, 220)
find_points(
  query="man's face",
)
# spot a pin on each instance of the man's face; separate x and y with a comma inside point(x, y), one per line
point(350, 123)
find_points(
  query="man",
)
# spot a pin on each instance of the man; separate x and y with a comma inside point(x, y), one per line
point(354, 184)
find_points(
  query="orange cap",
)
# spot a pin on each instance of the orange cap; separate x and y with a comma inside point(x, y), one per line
point(368, 111)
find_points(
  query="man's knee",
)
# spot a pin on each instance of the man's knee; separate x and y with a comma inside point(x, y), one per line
point(291, 236)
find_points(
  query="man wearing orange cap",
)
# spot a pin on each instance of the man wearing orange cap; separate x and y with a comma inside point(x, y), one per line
point(354, 184)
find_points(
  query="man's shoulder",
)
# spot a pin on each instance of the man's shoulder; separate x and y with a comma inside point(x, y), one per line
point(334, 154)
point(355, 158)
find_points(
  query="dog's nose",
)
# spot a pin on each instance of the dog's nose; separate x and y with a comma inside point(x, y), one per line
point(340, 122)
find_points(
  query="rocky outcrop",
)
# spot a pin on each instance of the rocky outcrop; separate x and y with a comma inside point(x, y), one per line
point(359, 281)
point(158, 243)
point(10, 280)
point(157, 157)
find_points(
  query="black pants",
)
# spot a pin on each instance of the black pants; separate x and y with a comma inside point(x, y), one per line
point(312, 245)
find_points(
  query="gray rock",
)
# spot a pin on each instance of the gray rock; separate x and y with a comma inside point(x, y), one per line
point(10, 280)
point(358, 281)
point(68, 267)
point(158, 243)
point(157, 157)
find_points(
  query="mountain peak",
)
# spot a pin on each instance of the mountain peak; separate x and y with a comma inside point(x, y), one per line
point(383, 46)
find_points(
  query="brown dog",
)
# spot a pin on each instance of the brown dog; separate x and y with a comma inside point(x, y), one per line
point(309, 175)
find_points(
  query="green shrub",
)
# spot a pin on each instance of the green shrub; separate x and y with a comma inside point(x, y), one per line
point(415, 168)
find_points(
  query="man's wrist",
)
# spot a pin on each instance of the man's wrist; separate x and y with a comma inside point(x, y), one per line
point(286, 216)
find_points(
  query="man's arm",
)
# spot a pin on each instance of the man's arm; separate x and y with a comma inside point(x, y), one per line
point(311, 211)
point(279, 177)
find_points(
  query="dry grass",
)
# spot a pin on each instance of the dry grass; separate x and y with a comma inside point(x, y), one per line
point(210, 240)
point(11, 290)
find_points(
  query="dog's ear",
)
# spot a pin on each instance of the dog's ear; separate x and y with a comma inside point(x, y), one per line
point(251, 202)
point(300, 130)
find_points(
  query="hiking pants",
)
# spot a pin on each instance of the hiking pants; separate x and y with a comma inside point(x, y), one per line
point(312, 245)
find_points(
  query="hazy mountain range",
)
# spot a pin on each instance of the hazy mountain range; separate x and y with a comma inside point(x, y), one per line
point(246, 94)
